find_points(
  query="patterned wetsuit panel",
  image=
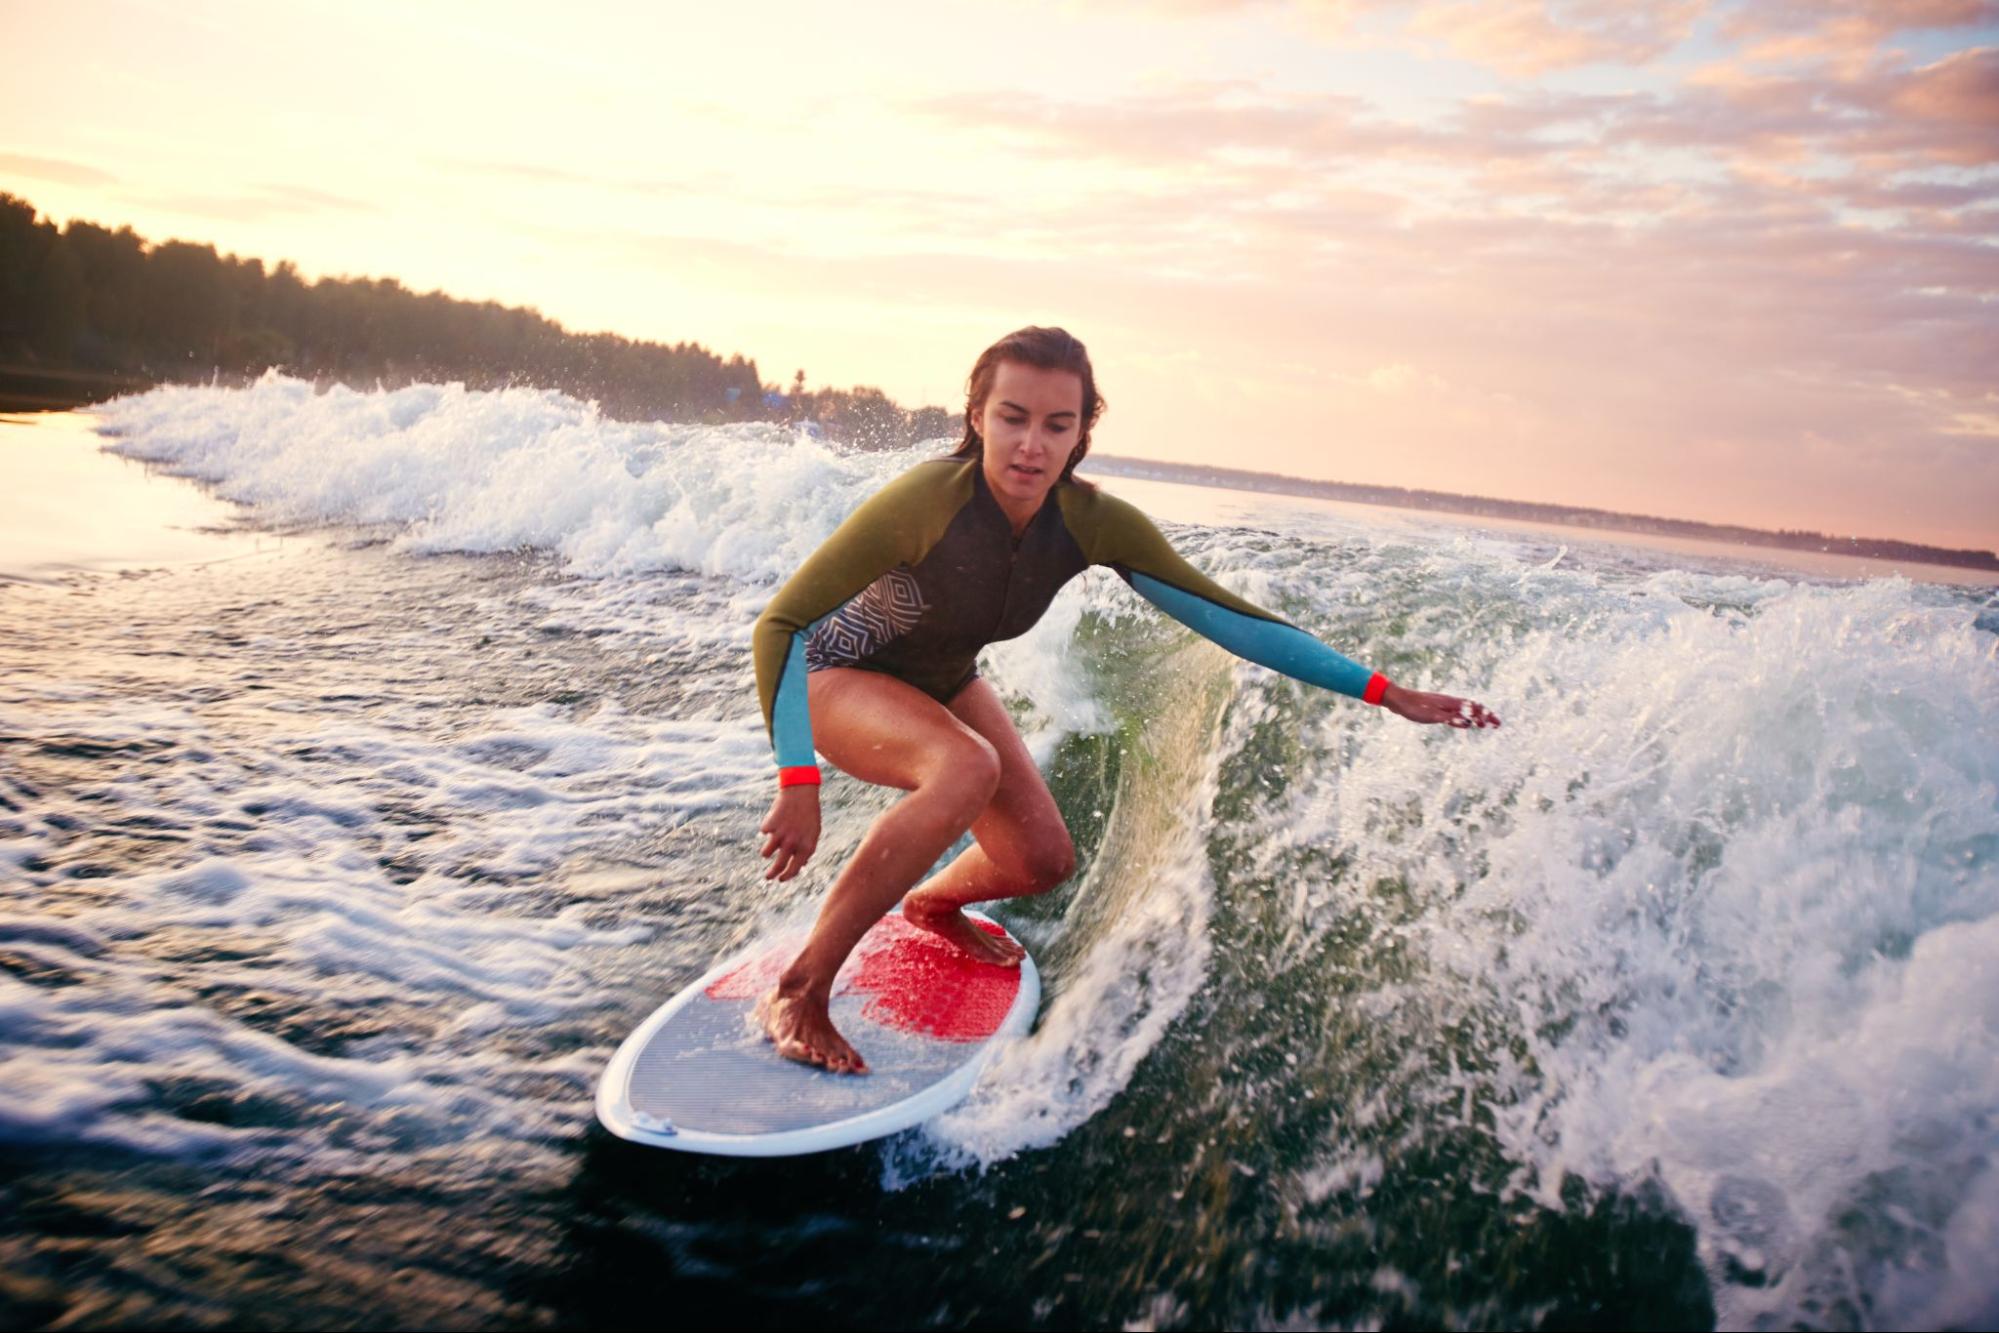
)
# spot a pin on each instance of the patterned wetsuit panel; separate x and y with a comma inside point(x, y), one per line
point(885, 610)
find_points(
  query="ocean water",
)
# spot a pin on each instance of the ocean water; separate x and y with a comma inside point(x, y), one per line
point(342, 846)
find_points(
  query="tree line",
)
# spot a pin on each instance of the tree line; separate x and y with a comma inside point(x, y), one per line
point(101, 311)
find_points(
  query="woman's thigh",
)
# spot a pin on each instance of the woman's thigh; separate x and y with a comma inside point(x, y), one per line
point(1021, 828)
point(886, 731)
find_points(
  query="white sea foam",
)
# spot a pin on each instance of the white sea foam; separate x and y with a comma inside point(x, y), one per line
point(1731, 872)
point(304, 897)
point(484, 471)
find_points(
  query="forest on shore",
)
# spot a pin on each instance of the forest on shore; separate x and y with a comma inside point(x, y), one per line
point(87, 313)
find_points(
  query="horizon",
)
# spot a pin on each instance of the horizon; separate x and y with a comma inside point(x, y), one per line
point(1745, 251)
point(1416, 493)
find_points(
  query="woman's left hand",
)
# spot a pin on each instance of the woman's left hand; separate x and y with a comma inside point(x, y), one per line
point(1446, 708)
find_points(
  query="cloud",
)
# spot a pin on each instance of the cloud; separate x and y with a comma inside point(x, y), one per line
point(1951, 104)
point(1944, 112)
point(1531, 37)
point(257, 203)
point(1400, 378)
point(54, 169)
point(1780, 132)
point(1924, 195)
point(1843, 37)
point(307, 199)
point(1272, 136)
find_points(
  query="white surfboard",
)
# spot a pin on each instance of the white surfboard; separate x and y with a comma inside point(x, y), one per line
point(699, 1076)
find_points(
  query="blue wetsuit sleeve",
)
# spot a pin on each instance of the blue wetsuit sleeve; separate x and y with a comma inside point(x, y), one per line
point(1277, 644)
point(1140, 554)
point(791, 721)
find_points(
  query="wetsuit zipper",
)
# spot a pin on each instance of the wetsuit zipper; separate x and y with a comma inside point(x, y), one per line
point(1006, 593)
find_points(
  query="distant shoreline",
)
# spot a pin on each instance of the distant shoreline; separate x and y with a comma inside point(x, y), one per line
point(1571, 516)
point(62, 388)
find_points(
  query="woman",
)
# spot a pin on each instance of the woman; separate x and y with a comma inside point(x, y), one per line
point(869, 654)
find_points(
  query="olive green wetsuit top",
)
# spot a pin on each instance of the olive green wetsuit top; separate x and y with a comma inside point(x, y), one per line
point(927, 571)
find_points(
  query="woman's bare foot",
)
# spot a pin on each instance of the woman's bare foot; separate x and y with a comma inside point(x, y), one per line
point(804, 1032)
point(949, 921)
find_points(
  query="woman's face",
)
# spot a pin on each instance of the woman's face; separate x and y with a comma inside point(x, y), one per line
point(1029, 423)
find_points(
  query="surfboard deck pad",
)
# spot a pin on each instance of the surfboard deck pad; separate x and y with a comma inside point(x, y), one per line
point(700, 1076)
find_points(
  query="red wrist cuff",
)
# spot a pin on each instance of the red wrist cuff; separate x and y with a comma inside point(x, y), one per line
point(799, 775)
point(1377, 686)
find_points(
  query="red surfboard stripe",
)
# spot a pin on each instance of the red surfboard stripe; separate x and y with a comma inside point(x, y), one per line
point(918, 982)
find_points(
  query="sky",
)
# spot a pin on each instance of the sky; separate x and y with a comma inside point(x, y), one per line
point(1721, 261)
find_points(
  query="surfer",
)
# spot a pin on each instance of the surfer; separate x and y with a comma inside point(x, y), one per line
point(868, 655)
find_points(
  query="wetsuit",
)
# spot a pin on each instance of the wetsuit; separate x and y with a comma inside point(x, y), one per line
point(927, 572)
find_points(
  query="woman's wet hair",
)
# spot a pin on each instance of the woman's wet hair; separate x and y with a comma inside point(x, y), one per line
point(1045, 349)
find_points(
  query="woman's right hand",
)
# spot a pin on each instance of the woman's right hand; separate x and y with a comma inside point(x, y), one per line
point(793, 825)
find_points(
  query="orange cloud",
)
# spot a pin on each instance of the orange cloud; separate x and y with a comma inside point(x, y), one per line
point(1529, 37)
point(1956, 100)
point(53, 169)
point(1844, 37)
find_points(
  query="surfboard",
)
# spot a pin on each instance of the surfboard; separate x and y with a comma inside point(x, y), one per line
point(699, 1076)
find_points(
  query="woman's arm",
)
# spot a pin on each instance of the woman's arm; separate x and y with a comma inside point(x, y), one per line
point(895, 525)
point(1259, 637)
point(1132, 545)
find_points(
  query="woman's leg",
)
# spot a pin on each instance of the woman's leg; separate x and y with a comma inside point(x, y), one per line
point(880, 730)
point(1020, 844)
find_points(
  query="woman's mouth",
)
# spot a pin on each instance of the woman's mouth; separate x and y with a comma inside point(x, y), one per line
point(1023, 471)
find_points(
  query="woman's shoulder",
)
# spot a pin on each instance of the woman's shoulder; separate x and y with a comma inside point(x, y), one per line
point(939, 466)
point(1083, 499)
point(930, 474)
point(921, 492)
point(1105, 526)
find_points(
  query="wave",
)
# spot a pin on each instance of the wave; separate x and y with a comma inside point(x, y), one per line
point(452, 469)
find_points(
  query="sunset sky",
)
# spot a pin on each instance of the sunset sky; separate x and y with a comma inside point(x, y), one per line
point(1732, 262)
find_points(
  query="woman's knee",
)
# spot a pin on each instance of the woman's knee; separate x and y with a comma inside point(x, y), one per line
point(966, 770)
point(1050, 863)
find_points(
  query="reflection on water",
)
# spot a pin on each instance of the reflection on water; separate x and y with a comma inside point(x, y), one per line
point(67, 505)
